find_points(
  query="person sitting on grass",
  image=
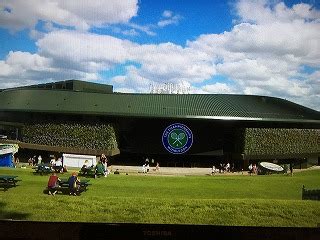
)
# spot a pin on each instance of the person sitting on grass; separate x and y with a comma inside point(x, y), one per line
point(65, 169)
point(85, 168)
point(53, 184)
point(100, 170)
point(74, 184)
point(53, 162)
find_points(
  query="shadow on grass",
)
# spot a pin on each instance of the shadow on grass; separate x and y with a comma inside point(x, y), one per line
point(4, 187)
point(4, 214)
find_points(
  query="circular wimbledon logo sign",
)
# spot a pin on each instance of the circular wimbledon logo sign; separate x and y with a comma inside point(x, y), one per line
point(177, 138)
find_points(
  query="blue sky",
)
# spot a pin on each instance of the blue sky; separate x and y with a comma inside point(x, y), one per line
point(230, 47)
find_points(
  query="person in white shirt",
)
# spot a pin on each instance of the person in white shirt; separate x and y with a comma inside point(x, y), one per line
point(250, 169)
point(52, 162)
point(228, 167)
point(58, 166)
point(213, 170)
point(85, 167)
point(39, 160)
point(144, 168)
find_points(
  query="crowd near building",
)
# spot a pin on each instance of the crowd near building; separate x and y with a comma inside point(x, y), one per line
point(176, 130)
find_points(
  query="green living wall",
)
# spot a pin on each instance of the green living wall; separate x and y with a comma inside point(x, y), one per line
point(98, 137)
point(270, 141)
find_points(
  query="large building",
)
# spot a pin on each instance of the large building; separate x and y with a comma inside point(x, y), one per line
point(177, 129)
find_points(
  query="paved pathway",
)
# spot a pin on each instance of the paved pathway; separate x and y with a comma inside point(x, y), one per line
point(181, 171)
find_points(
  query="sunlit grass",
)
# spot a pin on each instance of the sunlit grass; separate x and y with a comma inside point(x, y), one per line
point(273, 200)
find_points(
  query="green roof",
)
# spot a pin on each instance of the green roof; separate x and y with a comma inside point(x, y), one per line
point(198, 106)
point(73, 85)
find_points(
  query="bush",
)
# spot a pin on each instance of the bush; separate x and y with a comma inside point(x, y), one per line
point(263, 141)
point(98, 137)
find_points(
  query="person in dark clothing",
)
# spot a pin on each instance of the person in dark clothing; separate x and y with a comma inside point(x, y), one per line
point(85, 167)
point(100, 170)
point(74, 184)
point(104, 161)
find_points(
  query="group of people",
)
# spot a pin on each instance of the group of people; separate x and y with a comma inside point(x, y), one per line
point(223, 167)
point(226, 168)
point(100, 169)
point(33, 161)
point(73, 183)
point(253, 169)
point(146, 166)
point(56, 164)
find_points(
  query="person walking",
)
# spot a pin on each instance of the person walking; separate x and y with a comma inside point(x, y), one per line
point(157, 167)
point(104, 161)
point(291, 169)
point(213, 170)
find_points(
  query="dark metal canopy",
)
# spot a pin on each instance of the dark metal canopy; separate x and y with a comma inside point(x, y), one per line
point(93, 100)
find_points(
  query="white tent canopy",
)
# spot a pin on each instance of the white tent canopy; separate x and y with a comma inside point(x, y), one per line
point(73, 160)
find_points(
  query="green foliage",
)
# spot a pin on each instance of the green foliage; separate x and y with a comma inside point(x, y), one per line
point(272, 141)
point(273, 200)
point(71, 135)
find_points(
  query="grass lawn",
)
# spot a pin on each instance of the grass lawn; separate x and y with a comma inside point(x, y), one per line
point(273, 200)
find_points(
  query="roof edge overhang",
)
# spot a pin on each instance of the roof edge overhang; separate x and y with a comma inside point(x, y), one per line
point(218, 118)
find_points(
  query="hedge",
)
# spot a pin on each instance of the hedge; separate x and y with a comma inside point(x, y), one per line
point(98, 137)
point(263, 141)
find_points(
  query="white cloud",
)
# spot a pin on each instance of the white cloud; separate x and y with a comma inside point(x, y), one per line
point(120, 80)
point(18, 62)
point(81, 14)
point(83, 51)
point(132, 81)
point(169, 18)
point(167, 14)
point(130, 32)
point(125, 90)
point(314, 80)
point(266, 12)
point(220, 88)
point(264, 54)
point(23, 68)
point(146, 29)
point(91, 53)
point(168, 62)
